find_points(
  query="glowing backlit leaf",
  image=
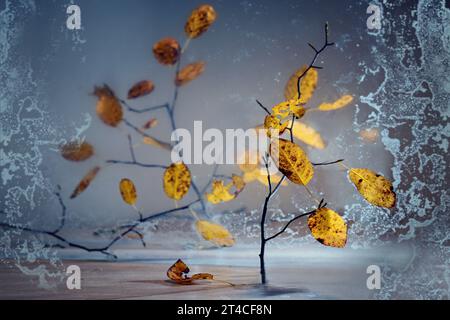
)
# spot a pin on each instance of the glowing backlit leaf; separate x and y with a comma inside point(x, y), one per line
point(179, 270)
point(77, 151)
point(307, 85)
point(328, 228)
point(108, 107)
point(156, 143)
point(308, 135)
point(220, 192)
point(141, 89)
point(167, 51)
point(85, 182)
point(128, 191)
point(339, 103)
point(375, 188)
point(199, 21)
point(177, 181)
point(189, 73)
point(214, 233)
point(292, 161)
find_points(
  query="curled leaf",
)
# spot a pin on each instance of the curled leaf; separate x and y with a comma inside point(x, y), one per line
point(153, 122)
point(220, 192)
point(292, 161)
point(375, 188)
point(167, 51)
point(177, 181)
point(142, 88)
point(308, 85)
point(179, 270)
point(189, 73)
point(77, 151)
point(338, 104)
point(284, 109)
point(214, 233)
point(108, 107)
point(156, 143)
point(199, 21)
point(328, 228)
point(128, 191)
point(85, 182)
point(308, 135)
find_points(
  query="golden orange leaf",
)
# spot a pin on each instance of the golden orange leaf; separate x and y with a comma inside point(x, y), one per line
point(77, 151)
point(307, 134)
point(109, 109)
point(214, 233)
point(199, 21)
point(338, 104)
point(238, 183)
point(167, 51)
point(128, 191)
point(179, 270)
point(220, 193)
point(308, 85)
point(190, 72)
point(292, 161)
point(375, 188)
point(328, 228)
point(85, 182)
point(177, 181)
point(284, 109)
point(140, 89)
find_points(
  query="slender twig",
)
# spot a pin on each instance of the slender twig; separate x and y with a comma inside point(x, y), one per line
point(63, 210)
point(136, 163)
point(143, 110)
point(327, 163)
point(130, 144)
point(262, 106)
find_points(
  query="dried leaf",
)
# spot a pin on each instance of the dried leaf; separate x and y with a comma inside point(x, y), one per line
point(369, 135)
point(273, 123)
point(179, 270)
point(167, 51)
point(128, 191)
point(307, 134)
point(375, 188)
point(189, 73)
point(77, 151)
point(108, 108)
point(153, 122)
point(307, 85)
point(214, 233)
point(199, 21)
point(284, 109)
point(140, 89)
point(238, 183)
point(156, 143)
point(292, 161)
point(339, 103)
point(177, 181)
point(328, 228)
point(220, 193)
point(85, 182)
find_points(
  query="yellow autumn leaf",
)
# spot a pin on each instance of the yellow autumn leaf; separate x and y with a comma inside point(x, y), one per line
point(273, 123)
point(238, 183)
point(285, 108)
point(220, 192)
point(109, 109)
point(214, 233)
point(328, 228)
point(308, 85)
point(307, 134)
point(177, 181)
point(199, 21)
point(156, 143)
point(292, 161)
point(260, 175)
point(338, 104)
point(375, 188)
point(85, 182)
point(128, 191)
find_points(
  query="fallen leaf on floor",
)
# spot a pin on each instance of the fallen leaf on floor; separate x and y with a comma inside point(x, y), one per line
point(178, 272)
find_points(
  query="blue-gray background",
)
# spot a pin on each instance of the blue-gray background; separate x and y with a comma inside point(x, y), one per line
point(397, 75)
